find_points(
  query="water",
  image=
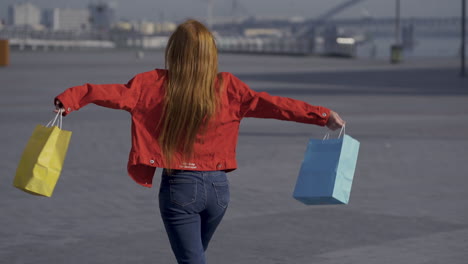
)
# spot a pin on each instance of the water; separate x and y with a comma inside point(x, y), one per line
point(425, 47)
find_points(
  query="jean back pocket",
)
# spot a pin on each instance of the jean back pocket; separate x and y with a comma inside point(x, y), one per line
point(222, 193)
point(183, 191)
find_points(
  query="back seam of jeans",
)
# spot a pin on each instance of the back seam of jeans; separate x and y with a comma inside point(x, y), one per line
point(206, 194)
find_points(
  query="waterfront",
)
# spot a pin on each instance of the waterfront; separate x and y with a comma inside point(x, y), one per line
point(425, 47)
point(373, 48)
point(407, 203)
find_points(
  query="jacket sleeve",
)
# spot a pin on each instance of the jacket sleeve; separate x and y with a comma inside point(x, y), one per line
point(264, 105)
point(116, 96)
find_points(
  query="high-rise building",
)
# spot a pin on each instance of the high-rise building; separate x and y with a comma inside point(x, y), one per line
point(25, 14)
point(102, 15)
point(67, 19)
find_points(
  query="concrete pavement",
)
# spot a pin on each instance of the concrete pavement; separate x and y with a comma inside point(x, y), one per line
point(408, 203)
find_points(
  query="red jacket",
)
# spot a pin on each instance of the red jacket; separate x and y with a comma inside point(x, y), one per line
point(143, 97)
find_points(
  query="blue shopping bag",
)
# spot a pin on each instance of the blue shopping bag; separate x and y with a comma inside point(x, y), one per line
point(327, 172)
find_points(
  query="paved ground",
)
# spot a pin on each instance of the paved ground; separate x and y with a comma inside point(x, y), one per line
point(409, 197)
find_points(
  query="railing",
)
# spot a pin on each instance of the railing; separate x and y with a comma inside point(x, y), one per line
point(45, 44)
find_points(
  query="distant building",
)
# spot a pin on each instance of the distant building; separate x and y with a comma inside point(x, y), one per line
point(67, 19)
point(263, 32)
point(146, 27)
point(165, 27)
point(150, 28)
point(25, 14)
point(102, 15)
point(124, 25)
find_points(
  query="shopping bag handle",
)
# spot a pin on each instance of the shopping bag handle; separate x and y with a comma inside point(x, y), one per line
point(57, 119)
point(342, 132)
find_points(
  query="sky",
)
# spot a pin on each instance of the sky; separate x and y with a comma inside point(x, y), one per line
point(156, 10)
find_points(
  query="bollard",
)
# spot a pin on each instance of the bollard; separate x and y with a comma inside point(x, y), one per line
point(396, 53)
point(4, 52)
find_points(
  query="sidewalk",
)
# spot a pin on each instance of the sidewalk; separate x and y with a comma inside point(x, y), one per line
point(408, 203)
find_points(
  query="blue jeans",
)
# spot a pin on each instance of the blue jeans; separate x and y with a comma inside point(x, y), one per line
point(192, 204)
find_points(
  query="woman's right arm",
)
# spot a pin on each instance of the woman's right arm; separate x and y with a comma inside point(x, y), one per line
point(116, 96)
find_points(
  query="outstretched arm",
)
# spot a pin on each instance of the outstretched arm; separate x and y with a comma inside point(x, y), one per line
point(116, 96)
point(264, 105)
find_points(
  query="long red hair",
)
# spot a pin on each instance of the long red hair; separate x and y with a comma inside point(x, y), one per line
point(191, 99)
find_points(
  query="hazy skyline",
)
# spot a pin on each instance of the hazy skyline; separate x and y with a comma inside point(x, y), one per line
point(179, 9)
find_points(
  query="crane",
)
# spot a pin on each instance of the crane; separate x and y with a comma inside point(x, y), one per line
point(310, 25)
point(336, 10)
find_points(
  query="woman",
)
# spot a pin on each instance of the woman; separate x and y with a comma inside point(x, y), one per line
point(185, 119)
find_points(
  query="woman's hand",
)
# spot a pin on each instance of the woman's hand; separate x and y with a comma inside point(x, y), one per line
point(334, 121)
point(58, 106)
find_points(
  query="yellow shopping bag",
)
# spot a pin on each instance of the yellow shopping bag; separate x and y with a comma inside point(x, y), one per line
point(42, 160)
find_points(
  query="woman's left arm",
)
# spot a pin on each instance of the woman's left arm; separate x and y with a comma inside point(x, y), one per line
point(264, 105)
point(116, 96)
